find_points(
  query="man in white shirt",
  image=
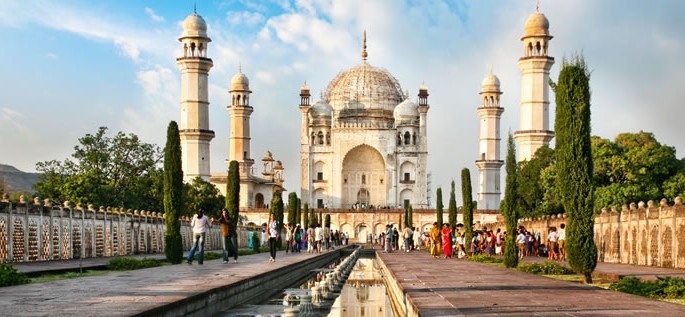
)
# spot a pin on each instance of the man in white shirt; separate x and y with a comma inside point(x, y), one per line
point(562, 242)
point(318, 238)
point(200, 224)
point(521, 241)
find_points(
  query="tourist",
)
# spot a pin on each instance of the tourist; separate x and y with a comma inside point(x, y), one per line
point(562, 242)
point(200, 224)
point(395, 238)
point(272, 229)
point(288, 237)
point(227, 244)
point(347, 238)
point(498, 242)
point(552, 239)
point(530, 239)
point(407, 233)
point(416, 239)
point(461, 252)
point(475, 242)
point(318, 238)
point(447, 240)
point(488, 249)
point(388, 239)
point(298, 238)
point(311, 239)
point(521, 242)
point(435, 241)
point(327, 237)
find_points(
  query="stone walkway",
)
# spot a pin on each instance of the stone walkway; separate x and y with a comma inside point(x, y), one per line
point(438, 287)
point(132, 292)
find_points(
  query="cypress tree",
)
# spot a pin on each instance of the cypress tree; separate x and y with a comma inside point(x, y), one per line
point(277, 210)
point(298, 219)
point(467, 209)
point(438, 207)
point(452, 208)
point(173, 195)
point(574, 164)
point(410, 222)
point(327, 222)
point(399, 223)
point(292, 208)
point(510, 207)
point(305, 216)
point(320, 220)
point(406, 216)
point(233, 191)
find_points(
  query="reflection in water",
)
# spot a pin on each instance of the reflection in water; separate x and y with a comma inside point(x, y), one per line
point(362, 295)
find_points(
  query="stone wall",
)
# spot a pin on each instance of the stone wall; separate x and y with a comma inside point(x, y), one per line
point(43, 232)
point(637, 234)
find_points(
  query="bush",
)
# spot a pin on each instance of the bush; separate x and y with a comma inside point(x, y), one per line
point(484, 258)
point(663, 287)
point(10, 276)
point(548, 268)
point(255, 242)
point(208, 256)
point(127, 264)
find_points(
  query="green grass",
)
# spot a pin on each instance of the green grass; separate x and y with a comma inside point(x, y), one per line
point(69, 275)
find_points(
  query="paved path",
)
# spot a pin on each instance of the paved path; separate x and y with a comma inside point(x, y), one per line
point(438, 287)
point(131, 292)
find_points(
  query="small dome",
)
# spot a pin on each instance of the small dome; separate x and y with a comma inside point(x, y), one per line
point(268, 157)
point(194, 26)
point(490, 82)
point(423, 86)
point(304, 86)
point(321, 109)
point(536, 25)
point(240, 82)
point(406, 112)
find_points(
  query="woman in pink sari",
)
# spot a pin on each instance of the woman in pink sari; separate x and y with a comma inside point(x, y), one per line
point(447, 240)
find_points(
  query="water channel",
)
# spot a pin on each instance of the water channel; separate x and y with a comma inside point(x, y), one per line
point(363, 294)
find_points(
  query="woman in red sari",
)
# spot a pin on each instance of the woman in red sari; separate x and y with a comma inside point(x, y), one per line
point(447, 240)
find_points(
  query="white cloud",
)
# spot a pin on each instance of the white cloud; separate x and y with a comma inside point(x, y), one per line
point(244, 18)
point(51, 56)
point(154, 16)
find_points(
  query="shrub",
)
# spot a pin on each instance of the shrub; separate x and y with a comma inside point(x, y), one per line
point(208, 256)
point(663, 287)
point(484, 258)
point(548, 267)
point(127, 264)
point(255, 239)
point(10, 276)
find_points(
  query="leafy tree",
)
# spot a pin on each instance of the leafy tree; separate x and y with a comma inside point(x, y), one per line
point(232, 202)
point(438, 206)
point(529, 185)
point(292, 208)
point(105, 171)
point(173, 195)
point(452, 208)
point(510, 207)
point(675, 186)
point(467, 196)
point(327, 222)
point(305, 216)
point(574, 164)
point(201, 194)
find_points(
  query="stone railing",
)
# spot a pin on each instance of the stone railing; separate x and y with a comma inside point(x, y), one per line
point(642, 234)
point(43, 232)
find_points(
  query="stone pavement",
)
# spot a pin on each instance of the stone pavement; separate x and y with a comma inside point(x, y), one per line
point(439, 287)
point(614, 272)
point(132, 292)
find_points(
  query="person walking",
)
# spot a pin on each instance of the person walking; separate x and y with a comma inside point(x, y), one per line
point(562, 242)
point(200, 224)
point(298, 238)
point(318, 239)
point(552, 239)
point(272, 231)
point(227, 244)
point(435, 240)
point(388, 239)
point(447, 240)
point(407, 234)
point(288, 237)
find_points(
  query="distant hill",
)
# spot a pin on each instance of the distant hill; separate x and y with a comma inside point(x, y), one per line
point(16, 180)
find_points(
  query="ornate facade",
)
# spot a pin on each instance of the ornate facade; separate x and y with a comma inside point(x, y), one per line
point(364, 144)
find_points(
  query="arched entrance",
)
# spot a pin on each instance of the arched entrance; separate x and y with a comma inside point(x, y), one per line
point(363, 178)
point(362, 232)
point(259, 200)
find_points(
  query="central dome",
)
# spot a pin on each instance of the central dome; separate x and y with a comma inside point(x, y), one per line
point(366, 86)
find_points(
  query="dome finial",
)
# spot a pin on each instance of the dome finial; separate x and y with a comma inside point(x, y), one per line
point(491, 69)
point(537, 5)
point(195, 7)
point(240, 68)
point(364, 53)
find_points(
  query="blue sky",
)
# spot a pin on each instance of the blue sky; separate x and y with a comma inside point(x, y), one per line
point(69, 67)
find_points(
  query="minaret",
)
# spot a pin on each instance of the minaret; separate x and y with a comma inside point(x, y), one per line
point(240, 111)
point(194, 128)
point(489, 164)
point(305, 105)
point(535, 65)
